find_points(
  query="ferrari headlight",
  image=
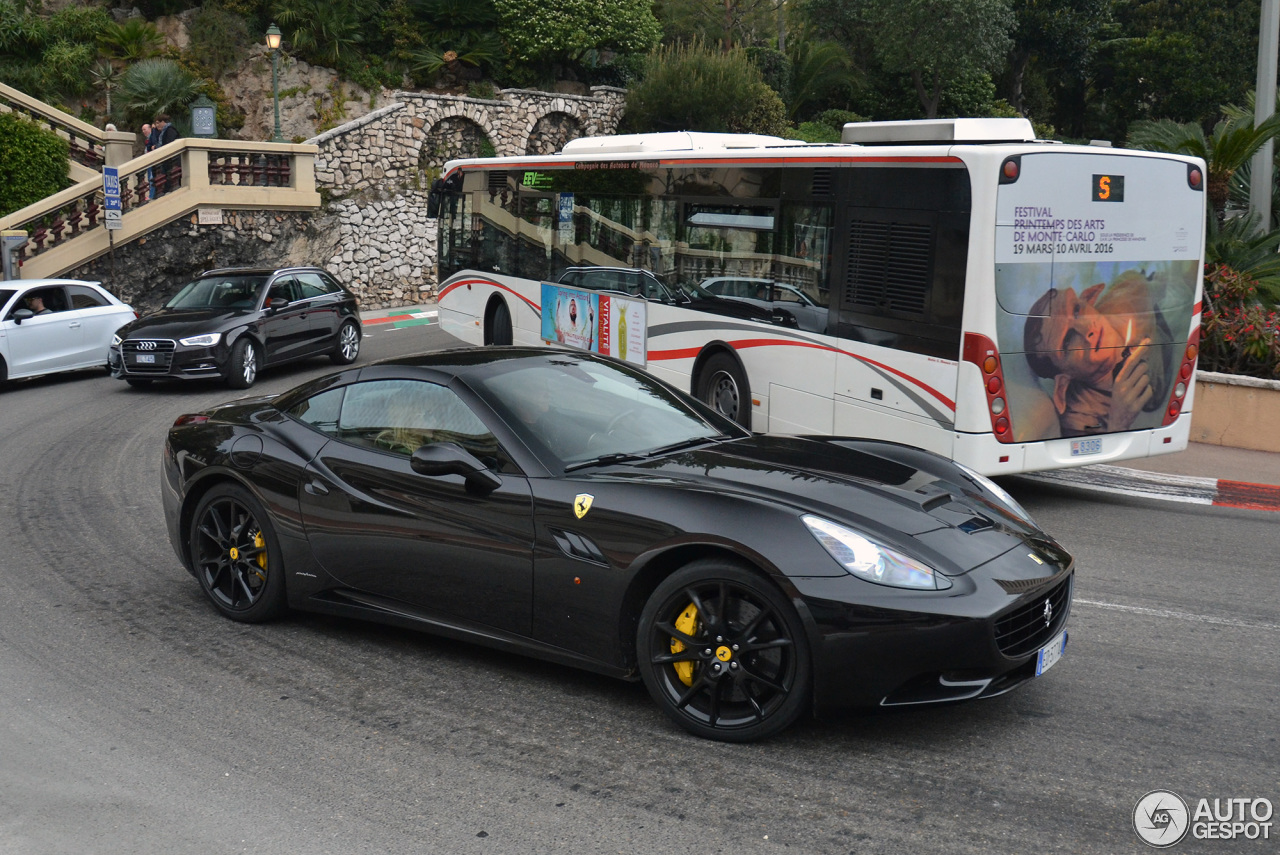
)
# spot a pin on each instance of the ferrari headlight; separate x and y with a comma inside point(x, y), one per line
point(871, 561)
point(1000, 493)
point(201, 340)
point(115, 339)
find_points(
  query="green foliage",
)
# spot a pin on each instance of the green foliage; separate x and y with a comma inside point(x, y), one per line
point(219, 39)
point(33, 163)
point(697, 88)
point(324, 31)
point(65, 66)
point(22, 34)
point(816, 132)
point(537, 31)
point(132, 41)
point(1239, 333)
point(79, 24)
point(483, 90)
point(821, 71)
point(156, 86)
point(774, 65)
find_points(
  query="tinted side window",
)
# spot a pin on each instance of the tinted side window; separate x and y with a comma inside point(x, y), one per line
point(321, 411)
point(313, 285)
point(398, 416)
point(85, 298)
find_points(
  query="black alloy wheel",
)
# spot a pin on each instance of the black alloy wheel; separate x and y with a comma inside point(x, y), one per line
point(236, 556)
point(723, 652)
point(723, 386)
point(500, 330)
point(347, 349)
point(242, 369)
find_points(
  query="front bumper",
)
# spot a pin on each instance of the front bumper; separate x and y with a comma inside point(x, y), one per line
point(979, 639)
point(170, 360)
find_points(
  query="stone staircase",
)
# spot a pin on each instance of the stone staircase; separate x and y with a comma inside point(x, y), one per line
point(67, 229)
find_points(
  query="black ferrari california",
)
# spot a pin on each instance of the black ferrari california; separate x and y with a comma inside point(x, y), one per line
point(229, 324)
point(573, 508)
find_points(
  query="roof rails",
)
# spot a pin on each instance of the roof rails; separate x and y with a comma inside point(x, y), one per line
point(939, 131)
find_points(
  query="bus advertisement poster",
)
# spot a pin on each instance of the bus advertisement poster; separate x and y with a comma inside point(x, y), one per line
point(569, 316)
point(623, 328)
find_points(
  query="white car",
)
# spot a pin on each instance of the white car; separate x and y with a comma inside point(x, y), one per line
point(49, 325)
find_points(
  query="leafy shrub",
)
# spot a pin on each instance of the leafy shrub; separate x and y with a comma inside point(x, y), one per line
point(219, 39)
point(79, 24)
point(66, 65)
point(540, 31)
point(131, 41)
point(816, 132)
point(697, 88)
point(774, 65)
point(33, 163)
point(1239, 334)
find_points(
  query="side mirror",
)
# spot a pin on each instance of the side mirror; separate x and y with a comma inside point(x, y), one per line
point(275, 304)
point(449, 458)
point(783, 318)
point(20, 315)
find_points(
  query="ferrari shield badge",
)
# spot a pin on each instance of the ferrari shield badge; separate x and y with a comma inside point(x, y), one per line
point(582, 504)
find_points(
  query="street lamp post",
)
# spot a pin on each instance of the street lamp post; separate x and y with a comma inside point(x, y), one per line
point(273, 43)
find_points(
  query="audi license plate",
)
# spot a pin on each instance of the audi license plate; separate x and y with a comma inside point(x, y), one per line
point(1080, 447)
point(1051, 653)
point(146, 358)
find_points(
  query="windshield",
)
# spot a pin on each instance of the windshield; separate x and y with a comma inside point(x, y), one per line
point(577, 410)
point(234, 291)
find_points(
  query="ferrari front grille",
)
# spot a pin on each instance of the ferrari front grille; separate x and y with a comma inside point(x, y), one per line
point(1029, 626)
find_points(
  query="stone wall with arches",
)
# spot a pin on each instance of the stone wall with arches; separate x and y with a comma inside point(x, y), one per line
point(376, 170)
point(420, 131)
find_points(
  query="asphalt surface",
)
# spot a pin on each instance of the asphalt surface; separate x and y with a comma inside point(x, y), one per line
point(134, 719)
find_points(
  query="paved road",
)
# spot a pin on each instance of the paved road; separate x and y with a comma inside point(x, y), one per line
point(134, 719)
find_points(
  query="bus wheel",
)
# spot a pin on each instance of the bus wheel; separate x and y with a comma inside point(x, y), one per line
point(723, 387)
point(500, 326)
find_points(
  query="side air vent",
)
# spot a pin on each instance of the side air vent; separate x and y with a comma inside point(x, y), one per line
point(890, 265)
point(576, 546)
point(498, 180)
point(823, 178)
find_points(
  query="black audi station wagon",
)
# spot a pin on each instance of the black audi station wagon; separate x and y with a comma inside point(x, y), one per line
point(231, 323)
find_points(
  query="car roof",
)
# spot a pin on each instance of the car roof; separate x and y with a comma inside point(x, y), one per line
point(40, 283)
point(257, 271)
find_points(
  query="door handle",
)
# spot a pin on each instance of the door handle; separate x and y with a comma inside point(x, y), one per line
point(316, 488)
point(75, 325)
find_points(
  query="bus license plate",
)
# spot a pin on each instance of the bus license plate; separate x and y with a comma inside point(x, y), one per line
point(1080, 447)
point(150, 359)
point(1051, 653)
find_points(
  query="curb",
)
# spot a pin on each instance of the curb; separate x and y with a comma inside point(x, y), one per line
point(1218, 492)
point(401, 320)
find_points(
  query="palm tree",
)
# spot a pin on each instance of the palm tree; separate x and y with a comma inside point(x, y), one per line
point(131, 41)
point(107, 77)
point(156, 86)
point(817, 68)
point(1232, 144)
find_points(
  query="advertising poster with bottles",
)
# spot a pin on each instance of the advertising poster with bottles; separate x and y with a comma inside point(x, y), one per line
point(1097, 265)
point(601, 323)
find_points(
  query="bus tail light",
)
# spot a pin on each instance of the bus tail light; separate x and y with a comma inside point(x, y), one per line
point(1182, 384)
point(981, 351)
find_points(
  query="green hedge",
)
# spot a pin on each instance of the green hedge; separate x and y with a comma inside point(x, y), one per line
point(33, 163)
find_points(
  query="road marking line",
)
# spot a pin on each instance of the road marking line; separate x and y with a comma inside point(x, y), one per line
point(1166, 613)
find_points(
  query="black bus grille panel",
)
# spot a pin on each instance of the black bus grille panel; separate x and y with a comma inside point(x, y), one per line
point(1025, 629)
point(889, 266)
point(822, 180)
point(133, 352)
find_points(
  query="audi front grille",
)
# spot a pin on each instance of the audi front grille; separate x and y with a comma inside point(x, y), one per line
point(134, 353)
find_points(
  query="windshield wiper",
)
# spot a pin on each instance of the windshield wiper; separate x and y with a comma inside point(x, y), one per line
point(604, 460)
point(687, 443)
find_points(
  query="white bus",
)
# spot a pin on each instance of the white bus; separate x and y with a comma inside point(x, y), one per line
point(956, 285)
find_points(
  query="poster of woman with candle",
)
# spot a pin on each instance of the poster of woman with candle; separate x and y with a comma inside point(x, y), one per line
point(1099, 345)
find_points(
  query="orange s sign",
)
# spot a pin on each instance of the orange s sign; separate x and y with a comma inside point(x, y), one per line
point(1108, 188)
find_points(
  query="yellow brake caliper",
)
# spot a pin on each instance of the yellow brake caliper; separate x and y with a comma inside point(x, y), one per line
point(260, 542)
point(688, 624)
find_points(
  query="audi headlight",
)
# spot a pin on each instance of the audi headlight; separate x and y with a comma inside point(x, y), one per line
point(201, 340)
point(115, 339)
point(1000, 493)
point(870, 561)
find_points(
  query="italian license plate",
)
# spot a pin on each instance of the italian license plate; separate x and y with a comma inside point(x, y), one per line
point(1081, 447)
point(150, 359)
point(1051, 653)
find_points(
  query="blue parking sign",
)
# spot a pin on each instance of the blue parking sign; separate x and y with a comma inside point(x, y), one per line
point(111, 197)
